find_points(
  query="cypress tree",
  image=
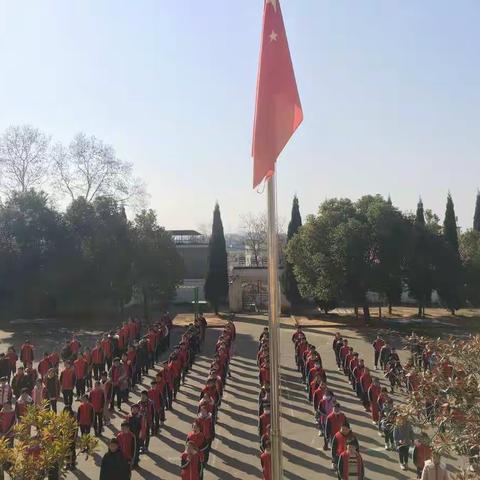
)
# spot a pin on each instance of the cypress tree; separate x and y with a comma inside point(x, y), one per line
point(290, 283)
point(450, 231)
point(420, 215)
point(216, 283)
point(476, 218)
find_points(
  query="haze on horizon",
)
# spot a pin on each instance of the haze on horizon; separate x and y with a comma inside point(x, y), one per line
point(390, 93)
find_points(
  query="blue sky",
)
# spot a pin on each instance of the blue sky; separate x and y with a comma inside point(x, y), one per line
point(390, 92)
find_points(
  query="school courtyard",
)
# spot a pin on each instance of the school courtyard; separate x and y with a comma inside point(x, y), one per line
point(235, 452)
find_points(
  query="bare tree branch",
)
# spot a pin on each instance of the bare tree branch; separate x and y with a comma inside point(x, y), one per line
point(24, 158)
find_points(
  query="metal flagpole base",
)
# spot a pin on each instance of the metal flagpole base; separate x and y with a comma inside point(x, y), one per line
point(274, 328)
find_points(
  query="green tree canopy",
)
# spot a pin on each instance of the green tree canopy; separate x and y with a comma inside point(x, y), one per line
point(157, 266)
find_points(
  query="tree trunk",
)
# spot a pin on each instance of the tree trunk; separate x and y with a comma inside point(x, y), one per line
point(366, 312)
point(215, 308)
point(389, 308)
point(380, 312)
point(420, 314)
point(356, 312)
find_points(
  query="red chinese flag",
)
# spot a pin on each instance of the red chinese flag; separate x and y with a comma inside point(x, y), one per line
point(278, 111)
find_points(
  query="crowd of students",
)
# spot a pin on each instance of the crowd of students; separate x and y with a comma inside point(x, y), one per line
point(393, 425)
point(101, 379)
point(333, 425)
point(199, 440)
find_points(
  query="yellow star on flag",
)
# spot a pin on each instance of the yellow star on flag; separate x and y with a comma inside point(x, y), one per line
point(273, 3)
point(273, 36)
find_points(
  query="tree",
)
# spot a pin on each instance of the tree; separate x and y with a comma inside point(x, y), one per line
point(450, 278)
point(450, 231)
point(23, 158)
point(289, 282)
point(476, 217)
point(216, 282)
point(101, 232)
point(36, 248)
point(157, 266)
point(254, 228)
point(331, 256)
point(420, 265)
point(419, 216)
point(390, 235)
point(89, 168)
point(470, 256)
point(47, 451)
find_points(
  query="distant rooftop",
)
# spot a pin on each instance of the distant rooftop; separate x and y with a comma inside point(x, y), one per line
point(184, 233)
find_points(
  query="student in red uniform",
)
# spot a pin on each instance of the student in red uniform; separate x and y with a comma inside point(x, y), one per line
point(74, 346)
point(117, 375)
point(197, 437)
point(205, 420)
point(12, 360)
point(107, 348)
point(67, 382)
point(98, 360)
point(373, 394)
point(266, 461)
point(333, 423)
point(263, 421)
point(8, 419)
point(26, 353)
point(147, 414)
point(97, 400)
point(421, 453)
point(190, 463)
point(80, 366)
point(156, 399)
point(350, 464)
point(44, 365)
point(127, 443)
point(85, 416)
point(339, 444)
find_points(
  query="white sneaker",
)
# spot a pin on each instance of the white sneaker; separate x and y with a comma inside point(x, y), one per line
point(402, 466)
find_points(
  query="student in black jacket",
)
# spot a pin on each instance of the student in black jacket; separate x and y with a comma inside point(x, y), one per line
point(114, 465)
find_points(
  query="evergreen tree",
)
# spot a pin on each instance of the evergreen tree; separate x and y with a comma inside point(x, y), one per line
point(420, 215)
point(476, 218)
point(216, 283)
point(450, 231)
point(290, 285)
point(449, 272)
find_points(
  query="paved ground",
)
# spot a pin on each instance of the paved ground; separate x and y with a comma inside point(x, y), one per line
point(235, 450)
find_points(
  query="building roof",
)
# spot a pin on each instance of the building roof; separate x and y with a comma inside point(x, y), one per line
point(184, 233)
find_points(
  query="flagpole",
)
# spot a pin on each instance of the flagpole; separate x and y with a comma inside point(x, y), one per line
point(274, 328)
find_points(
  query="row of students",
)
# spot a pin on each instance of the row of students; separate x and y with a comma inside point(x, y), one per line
point(148, 415)
point(332, 423)
point(199, 440)
point(263, 363)
point(392, 425)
